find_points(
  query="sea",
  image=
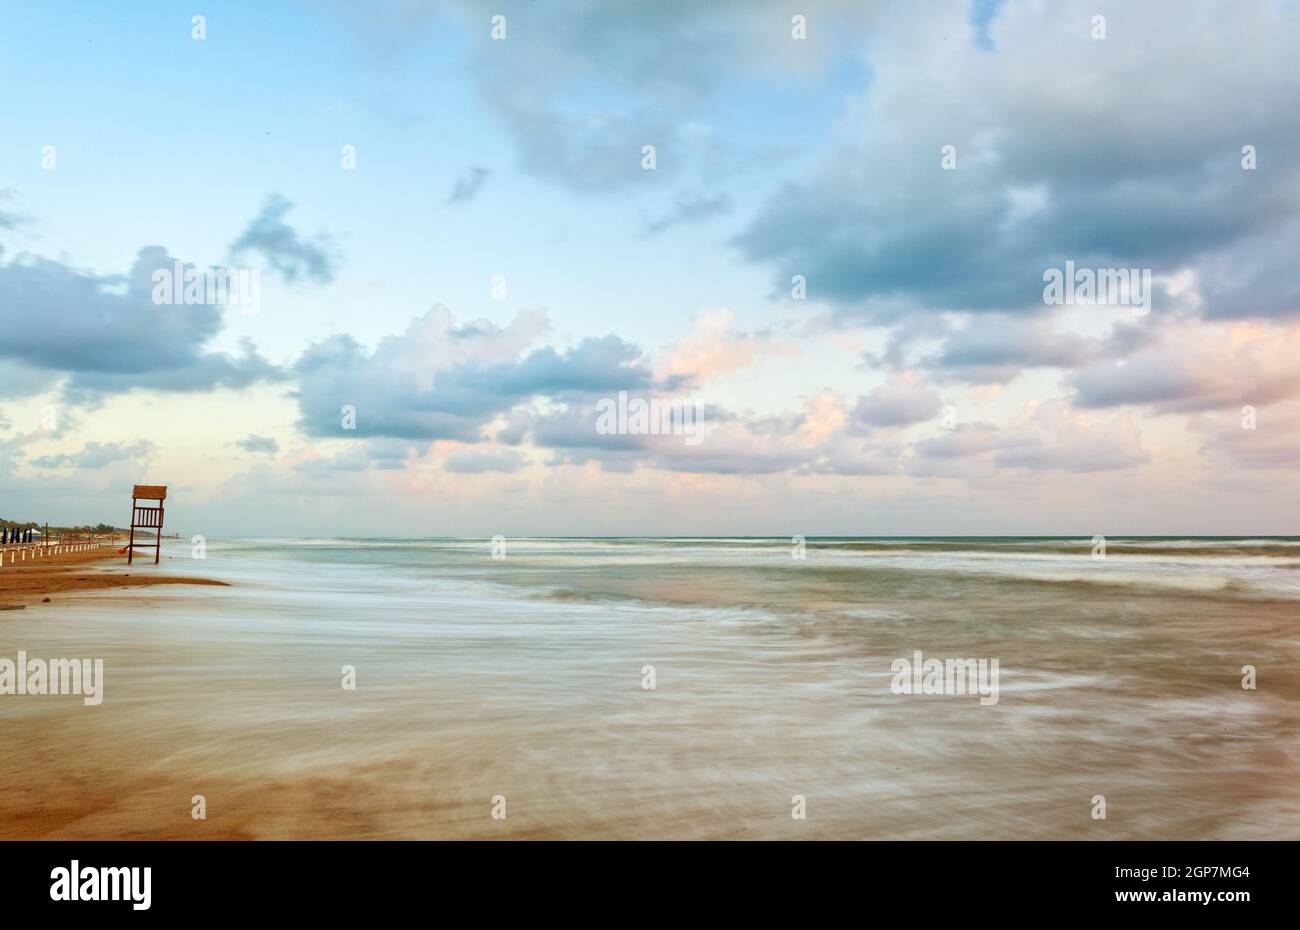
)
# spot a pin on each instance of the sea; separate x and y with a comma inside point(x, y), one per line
point(692, 688)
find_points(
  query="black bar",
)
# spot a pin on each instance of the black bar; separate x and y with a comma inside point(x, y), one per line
point(940, 879)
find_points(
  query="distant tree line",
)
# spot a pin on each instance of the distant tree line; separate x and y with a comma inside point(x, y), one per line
point(100, 528)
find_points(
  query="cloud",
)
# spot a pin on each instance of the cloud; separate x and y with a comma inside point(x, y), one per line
point(711, 349)
point(825, 439)
point(474, 461)
point(905, 399)
point(1243, 281)
point(571, 432)
point(846, 455)
point(1191, 367)
point(1055, 438)
point(733, 455)
point(1067, 148)
point(209, 370)
point(97, 455)
point(9, 220)
point(995, 348)
point(722, 442)
point(689, 208)
point(580, 92)
point(281, 246)
point(258, 444)
point(362, 456)
point(1271, 444)
point(1047, 437)
point(440, 380)
point(104, 334)
point(467, 186)
point(725, 452)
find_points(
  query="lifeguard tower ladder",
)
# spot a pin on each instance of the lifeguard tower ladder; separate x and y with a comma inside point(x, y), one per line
point(149, 518)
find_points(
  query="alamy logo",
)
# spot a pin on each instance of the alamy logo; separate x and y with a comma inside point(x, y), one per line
point(87, 883)
point(952, 676)
point(57, 676)
point(1116, 287)
point(654, 417)
point(231, 287)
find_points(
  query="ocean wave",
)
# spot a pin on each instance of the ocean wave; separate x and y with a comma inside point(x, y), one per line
point(626, 566)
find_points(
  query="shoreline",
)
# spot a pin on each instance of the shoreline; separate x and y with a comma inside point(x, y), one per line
point(30, 582)
point(466, 687)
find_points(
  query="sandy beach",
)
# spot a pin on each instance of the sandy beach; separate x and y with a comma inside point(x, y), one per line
point(31, 581)
point(524, 679)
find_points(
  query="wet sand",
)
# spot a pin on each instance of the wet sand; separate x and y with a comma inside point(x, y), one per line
point(467, 692)
point(33, 579)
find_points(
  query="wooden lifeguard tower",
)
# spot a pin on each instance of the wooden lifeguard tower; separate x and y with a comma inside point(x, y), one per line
point(146, 517)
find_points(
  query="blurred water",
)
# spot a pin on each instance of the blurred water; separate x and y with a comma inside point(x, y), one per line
point(522, 677)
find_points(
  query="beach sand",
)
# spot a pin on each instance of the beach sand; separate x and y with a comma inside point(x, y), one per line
point(773, 681)
point(32, 580)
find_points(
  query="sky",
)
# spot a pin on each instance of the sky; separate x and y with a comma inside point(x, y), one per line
point(824, 226)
